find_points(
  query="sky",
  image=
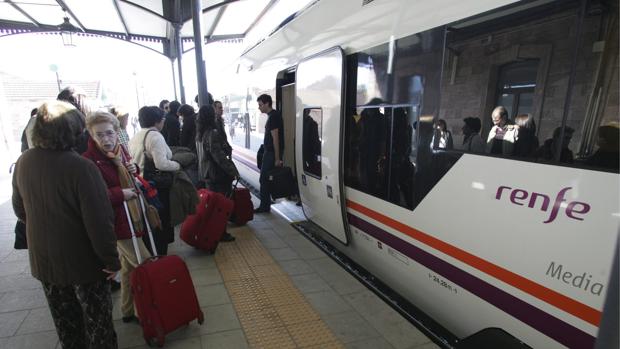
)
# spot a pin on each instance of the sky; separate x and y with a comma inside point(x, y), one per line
point(119, 65)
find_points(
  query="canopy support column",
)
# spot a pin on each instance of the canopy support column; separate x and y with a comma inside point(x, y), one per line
point(201, 72)
point(179, 48)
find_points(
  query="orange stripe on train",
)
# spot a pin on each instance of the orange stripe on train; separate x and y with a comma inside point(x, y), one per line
point(543, 293)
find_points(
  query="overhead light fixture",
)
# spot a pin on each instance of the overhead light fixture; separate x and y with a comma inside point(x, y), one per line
point(66, 31)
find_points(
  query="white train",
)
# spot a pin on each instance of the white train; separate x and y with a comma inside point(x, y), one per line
point(516, 230)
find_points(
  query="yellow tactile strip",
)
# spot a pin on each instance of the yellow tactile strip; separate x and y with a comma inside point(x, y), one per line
point(272, 311)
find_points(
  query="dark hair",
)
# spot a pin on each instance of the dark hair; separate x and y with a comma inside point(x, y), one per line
point(473, 123)
point(59, 126)
point(265, 99)
point(33, 112)
point(567, 131)
point(173, 107)
point(77, 99)
point(217, 102)
point(525, 121)
point(186, 110)
point(209, 99)
point(205, 121)
point(163, 103)
point(149, 116)
point(442, 123)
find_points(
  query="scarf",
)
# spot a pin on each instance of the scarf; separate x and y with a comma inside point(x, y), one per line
point(126, 179)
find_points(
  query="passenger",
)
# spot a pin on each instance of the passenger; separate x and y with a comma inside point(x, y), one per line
point(403, 170)
point(354, 130)
point(78, 99)
point(503, 134)
point(209, 100)
point(219, 118)
point(72, 246)
point(273, 144)
point(442, 138)
point(551, 146)
point(117, 169)
point(607, 155)
point(21, 242)
point(172, 127)
point(373, 148)
point(149, 150)
point(188, 131)
point(472, 142)
point(311, 144)
point(215, 164)
point(27, 133)
point(123, 119)
point(527, 142)
point(164, 106)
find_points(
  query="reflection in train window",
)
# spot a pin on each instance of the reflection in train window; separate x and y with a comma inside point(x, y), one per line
point(555, 110)
point(312, 136)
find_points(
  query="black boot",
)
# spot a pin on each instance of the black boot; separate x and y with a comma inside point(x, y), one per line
point(227, 237)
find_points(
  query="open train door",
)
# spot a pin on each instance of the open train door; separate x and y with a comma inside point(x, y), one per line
point(318, 142)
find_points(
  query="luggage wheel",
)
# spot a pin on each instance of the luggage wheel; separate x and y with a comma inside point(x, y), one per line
point(201, 318)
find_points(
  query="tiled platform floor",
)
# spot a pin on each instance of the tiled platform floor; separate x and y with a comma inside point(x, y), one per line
point(305, 299)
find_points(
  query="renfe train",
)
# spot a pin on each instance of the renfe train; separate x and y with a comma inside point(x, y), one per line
point(388, 115)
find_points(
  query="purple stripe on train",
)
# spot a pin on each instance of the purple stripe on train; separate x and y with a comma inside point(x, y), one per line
point(246, 162)
point(549, 325)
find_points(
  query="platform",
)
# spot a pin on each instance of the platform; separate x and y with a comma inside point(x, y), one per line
point(271, 288)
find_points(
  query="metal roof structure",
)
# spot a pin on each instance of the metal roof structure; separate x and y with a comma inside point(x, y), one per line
point(149, 23)
point(169, 27)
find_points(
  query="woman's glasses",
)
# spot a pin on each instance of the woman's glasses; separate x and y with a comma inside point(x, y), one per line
point(106, 134)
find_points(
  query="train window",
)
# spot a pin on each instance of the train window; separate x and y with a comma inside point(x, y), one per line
point(367, 148)
point(311, 141)
point(372, 75)
point(505, 89)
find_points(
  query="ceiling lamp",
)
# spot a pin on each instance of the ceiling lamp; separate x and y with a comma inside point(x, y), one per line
point(66, 31)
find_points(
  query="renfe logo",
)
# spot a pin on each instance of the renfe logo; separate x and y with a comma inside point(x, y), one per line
point(520, 196)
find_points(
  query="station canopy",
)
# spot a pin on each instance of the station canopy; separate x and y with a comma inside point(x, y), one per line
point(150, 23)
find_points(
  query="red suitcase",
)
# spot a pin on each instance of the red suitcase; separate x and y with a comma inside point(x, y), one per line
point(164, 297)
point(243, 210)
point(163, 291)
point(205, 228)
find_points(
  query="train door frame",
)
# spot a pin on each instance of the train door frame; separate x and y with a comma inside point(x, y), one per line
point(286, 78)
point(327, 188)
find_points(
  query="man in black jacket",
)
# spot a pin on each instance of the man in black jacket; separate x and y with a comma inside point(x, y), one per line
point(273, 144)
point(172, 126)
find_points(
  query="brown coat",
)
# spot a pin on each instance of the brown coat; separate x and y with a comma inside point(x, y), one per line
point(69, 220)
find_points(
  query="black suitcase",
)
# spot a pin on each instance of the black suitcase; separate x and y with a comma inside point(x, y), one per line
point(281, 182)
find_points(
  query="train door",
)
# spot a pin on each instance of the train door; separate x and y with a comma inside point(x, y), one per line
point(288, 116)
point(318, 141)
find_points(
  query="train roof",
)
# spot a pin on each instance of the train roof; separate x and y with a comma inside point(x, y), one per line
point(355, 25)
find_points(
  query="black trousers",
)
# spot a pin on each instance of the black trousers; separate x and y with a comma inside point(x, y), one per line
point(82, 315)
point(165, 235)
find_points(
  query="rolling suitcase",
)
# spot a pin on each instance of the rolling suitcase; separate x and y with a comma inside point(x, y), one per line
point(243, 210)
point(281, 182)
point(205, 228)
point(163, 292)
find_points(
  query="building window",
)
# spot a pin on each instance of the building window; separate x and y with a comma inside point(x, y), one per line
point(515, 87)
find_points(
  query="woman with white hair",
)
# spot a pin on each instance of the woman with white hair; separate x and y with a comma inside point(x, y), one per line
point(118, 170)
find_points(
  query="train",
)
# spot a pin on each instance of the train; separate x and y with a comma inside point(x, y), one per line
point(518, 233)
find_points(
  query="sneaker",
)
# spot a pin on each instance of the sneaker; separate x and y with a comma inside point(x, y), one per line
point(227, 237)
point(262, 210)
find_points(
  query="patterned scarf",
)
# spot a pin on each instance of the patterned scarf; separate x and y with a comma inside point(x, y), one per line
point(127, 182)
